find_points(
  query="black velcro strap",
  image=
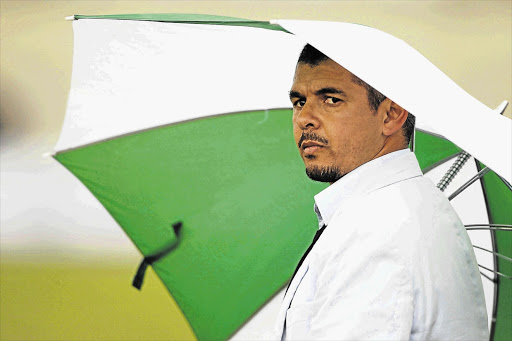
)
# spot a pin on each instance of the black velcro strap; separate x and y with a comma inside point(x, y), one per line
point(149, 260)
point(139, 276)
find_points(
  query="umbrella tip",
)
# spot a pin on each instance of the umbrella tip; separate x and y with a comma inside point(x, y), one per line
point(500, 109)
point(70, 18)
point(47, 155)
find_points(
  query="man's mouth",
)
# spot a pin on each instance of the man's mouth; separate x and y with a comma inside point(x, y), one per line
point(309, 147)
point(312, 139)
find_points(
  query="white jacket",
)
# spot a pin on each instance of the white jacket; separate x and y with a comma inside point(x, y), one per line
point(394, 263)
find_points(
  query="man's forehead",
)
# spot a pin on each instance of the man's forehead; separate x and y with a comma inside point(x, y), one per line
point(317, 84)
point(321, 76)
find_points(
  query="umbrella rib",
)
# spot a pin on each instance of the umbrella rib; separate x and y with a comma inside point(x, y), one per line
point(489, 278)
point(440, 162)
point(505, 181)
point(494, 253)
point(431, 133)
point(469, 182)
point(495, 272)
point(492, 227)
point(101, 140)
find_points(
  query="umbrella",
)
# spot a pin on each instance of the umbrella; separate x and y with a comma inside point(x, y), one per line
point(180, 126)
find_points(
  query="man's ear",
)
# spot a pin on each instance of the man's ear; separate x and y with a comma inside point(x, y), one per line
point(394, 117)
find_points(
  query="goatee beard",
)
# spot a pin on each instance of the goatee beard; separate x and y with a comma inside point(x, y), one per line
point(324, 174)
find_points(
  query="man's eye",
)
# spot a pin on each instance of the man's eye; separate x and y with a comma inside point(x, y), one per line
point(299, 103)
point(332, 100)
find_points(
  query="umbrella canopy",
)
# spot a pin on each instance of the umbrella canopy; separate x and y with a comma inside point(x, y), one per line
point(180, 125)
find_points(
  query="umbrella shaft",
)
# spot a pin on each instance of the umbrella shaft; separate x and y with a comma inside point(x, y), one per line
point(454, 169)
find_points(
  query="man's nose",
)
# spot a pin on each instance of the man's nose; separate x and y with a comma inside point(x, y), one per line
point(307, 117)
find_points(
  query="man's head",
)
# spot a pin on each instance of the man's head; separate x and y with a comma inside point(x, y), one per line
point(339, 121)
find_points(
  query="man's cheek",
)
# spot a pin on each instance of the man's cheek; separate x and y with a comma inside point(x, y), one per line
point(296, 135)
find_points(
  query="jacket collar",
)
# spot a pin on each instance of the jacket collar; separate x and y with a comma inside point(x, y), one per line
point(378, 173)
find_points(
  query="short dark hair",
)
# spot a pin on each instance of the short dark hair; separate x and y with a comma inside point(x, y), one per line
point(313, 57)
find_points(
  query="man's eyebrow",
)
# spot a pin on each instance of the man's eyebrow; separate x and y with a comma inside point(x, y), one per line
point(294, 94)
point(324, 91)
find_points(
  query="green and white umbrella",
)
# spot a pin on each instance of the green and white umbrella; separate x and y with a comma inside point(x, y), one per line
point(180, 125)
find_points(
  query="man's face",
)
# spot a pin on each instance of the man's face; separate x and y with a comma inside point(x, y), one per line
point(334, 127)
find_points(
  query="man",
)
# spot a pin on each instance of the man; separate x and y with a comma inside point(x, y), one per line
point(391, 259)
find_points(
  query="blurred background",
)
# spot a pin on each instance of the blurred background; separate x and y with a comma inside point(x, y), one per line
point(65, 266)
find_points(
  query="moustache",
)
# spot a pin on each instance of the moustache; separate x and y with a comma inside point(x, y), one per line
point(310, 136)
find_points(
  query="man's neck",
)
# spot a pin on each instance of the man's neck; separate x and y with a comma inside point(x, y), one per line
point(391, 144)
